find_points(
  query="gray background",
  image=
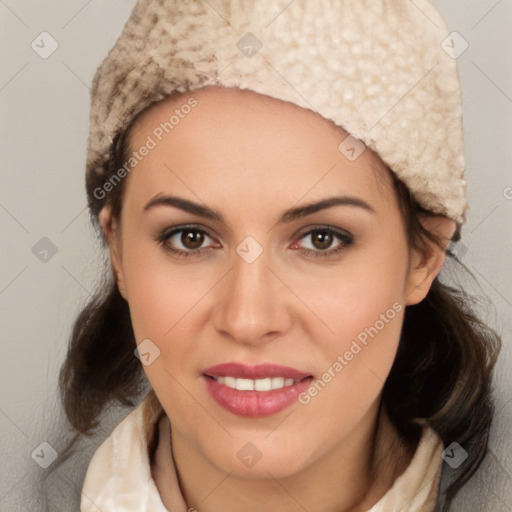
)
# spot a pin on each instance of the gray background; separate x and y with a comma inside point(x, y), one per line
point(44, 111)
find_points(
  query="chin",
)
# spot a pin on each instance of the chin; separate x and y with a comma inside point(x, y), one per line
point(252, 462)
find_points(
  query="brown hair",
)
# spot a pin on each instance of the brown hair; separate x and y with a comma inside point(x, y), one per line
point(442, 371)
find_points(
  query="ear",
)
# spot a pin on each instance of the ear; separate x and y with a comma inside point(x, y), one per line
point(112, 233)
point(426, 263)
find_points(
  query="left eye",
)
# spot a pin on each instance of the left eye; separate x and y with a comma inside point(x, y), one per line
point(323, 238)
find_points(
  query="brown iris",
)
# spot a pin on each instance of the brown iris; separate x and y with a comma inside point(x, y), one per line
point(192, 239)
point(321, 239)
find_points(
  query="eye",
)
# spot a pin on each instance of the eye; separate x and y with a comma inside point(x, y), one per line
point(184, 241)
point(321, 240)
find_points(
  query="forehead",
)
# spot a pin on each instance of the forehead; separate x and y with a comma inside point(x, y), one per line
point(223, 143)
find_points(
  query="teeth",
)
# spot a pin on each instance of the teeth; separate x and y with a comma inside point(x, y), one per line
point(263, 384)
point(255, 385)
point(229, 382)
point(277, 382)
point(244, 384)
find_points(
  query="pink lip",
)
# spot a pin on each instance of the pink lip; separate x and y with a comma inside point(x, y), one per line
point(255, 404)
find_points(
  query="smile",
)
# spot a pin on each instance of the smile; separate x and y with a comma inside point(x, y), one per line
point(255, 391)
point(266, 384)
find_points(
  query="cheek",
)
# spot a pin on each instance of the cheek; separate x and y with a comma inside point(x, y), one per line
point(356, 294)
point(161, 294)
point(165, 302)
point(163, 299)
point(357, 323)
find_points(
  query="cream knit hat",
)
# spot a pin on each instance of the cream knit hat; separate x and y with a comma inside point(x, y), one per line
point(381, 69)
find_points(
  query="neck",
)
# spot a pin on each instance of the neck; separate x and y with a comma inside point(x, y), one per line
point(353, 476)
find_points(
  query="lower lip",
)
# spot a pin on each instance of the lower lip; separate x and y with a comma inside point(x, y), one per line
point(255, 404)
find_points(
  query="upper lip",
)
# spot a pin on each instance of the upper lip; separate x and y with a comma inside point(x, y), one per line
point(258, 371)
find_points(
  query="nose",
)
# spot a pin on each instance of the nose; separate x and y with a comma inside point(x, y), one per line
point(253, 303)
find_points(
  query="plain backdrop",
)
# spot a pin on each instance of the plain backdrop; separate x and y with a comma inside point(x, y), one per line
point(50, 258)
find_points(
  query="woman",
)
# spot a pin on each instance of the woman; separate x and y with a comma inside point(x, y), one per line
point(277, 184)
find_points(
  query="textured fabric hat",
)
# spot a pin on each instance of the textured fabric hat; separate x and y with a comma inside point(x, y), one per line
point(381, 69)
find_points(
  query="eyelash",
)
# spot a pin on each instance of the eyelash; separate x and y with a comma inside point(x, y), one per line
point(345, 238)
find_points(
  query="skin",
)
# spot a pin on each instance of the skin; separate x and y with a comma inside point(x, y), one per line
point(250, 158)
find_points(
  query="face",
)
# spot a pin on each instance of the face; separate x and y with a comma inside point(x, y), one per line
point(238, 280)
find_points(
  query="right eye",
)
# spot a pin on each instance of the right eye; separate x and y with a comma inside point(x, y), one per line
point(184, 241)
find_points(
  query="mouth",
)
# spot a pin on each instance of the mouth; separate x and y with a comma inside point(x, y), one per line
point(255, 391)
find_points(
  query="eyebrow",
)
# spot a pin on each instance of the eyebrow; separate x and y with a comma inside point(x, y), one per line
point(287, 216)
